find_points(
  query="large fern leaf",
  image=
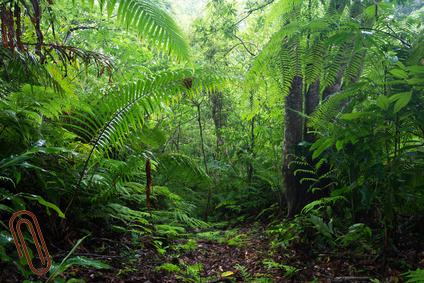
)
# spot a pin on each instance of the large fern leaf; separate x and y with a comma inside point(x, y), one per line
point(114, 115)
point(151, 23)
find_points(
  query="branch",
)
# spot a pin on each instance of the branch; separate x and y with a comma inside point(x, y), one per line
point(231, 49)
point(251, 11)
point(392, 35)
point(68, 34)
point(245, 47)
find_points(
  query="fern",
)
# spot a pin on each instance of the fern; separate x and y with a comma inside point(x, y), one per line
point(322, 202)
point(183, 167)
point(127, 214)
point(153, 25)
point(415, 275)
point(329, 109)
point(114, 116)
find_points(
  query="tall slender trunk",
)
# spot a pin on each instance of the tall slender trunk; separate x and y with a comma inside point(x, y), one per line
point(251, 144)
point(292, 136)
point(199, 120)
point(219, 121)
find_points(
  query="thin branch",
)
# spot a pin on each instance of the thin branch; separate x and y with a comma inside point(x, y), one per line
point(68, 34)
point(251, 11)
point(392, 35)
point(245, 47)
point(231, 49)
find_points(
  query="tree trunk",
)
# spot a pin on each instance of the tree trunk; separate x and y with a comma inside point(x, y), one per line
point(251, 145)
point(292, 136)
point(219, 121)
point(199, 120)
point(311, 102)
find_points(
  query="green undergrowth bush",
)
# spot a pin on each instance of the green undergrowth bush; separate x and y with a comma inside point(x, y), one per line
point(322, 229)
point(184, 272)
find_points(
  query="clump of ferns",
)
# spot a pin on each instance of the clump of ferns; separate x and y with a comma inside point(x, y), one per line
point(320, 179)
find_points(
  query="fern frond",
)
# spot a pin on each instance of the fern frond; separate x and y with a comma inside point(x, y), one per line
point(127, 214)
point(152, 24)
point(308, 179)
point(330, 107)
point(114, 116)
point(322, 202)
point(183, 166)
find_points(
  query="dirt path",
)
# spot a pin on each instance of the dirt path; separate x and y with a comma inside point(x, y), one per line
point(240, 255)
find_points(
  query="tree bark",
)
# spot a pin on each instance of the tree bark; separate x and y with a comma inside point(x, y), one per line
point(219, 121)
point(251, 145)
point(311, 103)
point(292, 136)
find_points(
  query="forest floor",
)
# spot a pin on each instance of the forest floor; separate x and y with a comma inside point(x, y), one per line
point(238, 255)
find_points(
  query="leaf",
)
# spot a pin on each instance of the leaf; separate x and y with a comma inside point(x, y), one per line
point(416, 69)
point(339, 145)
point(47, 204)
point(402, 101)
point(325, 145)
point(396, 96)
point(5, 207)
point(87, 262)
point(227, 273)
point(56, 269)
point(416, 81)
point(355, 115)
point(383, 102)
point(399, 73)
point(18, 204)
point(5, 238)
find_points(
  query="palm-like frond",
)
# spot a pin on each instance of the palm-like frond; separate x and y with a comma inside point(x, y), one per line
point(183, 167)
point(155, 26)
point(113, 116)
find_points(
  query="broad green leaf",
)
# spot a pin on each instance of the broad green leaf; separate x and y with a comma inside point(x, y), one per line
point(416, 69)
point(355, 115)
point(416, 81)
point(6, 208)
point(396, 96)
point(5, 238)
point(325, 145)
point(59, 268)
point(18, 203)
point(401, 65)
point(402, 101)
point(339, 145)
point(383, 102)
point(399, 73)
point(46, 203)
point(87, 262)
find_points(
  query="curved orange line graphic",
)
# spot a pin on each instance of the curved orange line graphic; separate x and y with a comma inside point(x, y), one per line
point(34, 236)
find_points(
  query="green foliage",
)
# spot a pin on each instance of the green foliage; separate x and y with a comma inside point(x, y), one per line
point(210, 236)
point(290, 270)
point(57, 269)
point(327, 231)
point(169, 267)
point(286, 233)
point(151, 23)
point(244, 273)
point(415, 275)
point(357, 232)
point(238, 241)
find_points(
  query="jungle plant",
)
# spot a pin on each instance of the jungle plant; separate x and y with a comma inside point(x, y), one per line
point(415, 275)
point(290, 270)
